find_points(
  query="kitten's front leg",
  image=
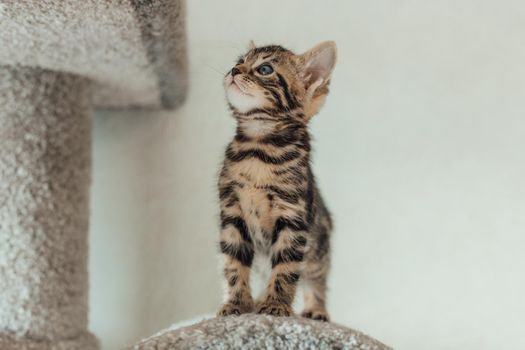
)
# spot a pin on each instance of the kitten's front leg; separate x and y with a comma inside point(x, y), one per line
point(237, 249)
point(288, 248)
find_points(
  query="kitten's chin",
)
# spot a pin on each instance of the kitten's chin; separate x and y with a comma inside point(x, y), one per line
point(240, 101)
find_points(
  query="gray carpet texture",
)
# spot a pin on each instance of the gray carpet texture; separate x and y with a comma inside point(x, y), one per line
point(45, 166)
point(251, 331)
point(133, 51)
point(60, 59)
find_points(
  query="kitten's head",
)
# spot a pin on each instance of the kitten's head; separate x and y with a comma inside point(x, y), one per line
point(274, 78)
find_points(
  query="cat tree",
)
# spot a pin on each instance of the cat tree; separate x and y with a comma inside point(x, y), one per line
point(58, 61)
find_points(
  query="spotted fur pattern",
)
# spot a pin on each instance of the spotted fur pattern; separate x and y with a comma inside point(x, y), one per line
point(270, 204)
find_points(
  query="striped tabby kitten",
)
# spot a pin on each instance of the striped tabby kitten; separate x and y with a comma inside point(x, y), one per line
point(270, 204)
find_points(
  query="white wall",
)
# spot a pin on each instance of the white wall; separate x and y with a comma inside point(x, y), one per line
point(419, 152)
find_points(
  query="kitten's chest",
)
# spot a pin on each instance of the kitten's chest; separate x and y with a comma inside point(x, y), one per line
point(252, 172)
point(257, 213)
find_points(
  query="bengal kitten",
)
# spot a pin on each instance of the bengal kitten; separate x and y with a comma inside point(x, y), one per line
point(270, 204)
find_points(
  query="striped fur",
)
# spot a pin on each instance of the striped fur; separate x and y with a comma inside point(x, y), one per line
point(270, 203)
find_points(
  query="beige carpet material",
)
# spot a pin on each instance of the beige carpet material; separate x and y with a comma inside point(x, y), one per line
point(44, 186)
point(59, 59)
point(134, 51)
point(251, 331)
point(83, 341)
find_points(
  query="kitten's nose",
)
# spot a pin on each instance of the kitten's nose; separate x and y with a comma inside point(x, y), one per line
point(235, 71)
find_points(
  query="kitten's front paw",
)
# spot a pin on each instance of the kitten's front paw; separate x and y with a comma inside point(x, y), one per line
point(316, 314)
point(274, 308)
point(228, 309)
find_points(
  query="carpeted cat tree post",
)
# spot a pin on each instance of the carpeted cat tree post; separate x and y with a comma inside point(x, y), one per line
point(58, 61)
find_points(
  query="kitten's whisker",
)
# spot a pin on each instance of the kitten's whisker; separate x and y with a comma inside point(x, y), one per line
point(215, 69)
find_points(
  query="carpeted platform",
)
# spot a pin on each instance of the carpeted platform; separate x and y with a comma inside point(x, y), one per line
point(251, 331)
point(133, 51)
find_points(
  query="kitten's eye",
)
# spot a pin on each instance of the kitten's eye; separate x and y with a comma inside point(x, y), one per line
point(240, 61)
point(265, 69)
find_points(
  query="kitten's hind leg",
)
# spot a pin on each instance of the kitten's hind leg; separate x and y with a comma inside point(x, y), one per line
point(314, 287)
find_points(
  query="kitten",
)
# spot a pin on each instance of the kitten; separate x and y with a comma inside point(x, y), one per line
point(270, 204)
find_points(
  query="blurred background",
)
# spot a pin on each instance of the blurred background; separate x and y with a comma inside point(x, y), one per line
point(419, 153)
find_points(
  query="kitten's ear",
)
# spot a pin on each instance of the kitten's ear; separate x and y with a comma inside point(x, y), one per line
point(318, 64)
point(251, 46)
